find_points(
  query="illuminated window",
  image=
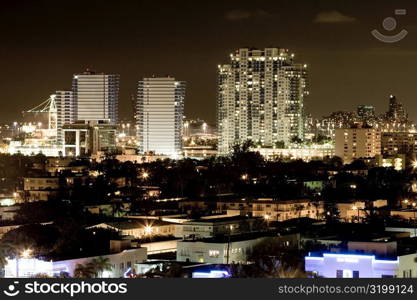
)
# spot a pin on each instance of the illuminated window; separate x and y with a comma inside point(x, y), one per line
point(214, 253)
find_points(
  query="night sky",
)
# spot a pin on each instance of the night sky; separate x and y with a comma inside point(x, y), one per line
point(44, 42)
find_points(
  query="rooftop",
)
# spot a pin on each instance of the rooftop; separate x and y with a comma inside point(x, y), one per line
point(135, 223)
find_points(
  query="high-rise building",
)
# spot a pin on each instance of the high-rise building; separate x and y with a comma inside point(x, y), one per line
point(160, 109)
point(396, 111)
point(260, 98)
point(66, 110)
point(366, 114)
point(96, 97)
point(359, 142)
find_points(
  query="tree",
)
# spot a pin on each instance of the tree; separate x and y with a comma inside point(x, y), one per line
point(316, 205)
point(332, 213)
point(167, 270)
point(5, 250)
point(100, 265)
point(84, 271)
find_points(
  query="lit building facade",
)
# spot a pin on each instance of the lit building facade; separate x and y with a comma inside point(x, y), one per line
point(82, 139)
point(65, 105)
point(339, 265)
point(260, 98)
point(160, 109)
point(360, 142)
point(96, 96)
point(401, 142)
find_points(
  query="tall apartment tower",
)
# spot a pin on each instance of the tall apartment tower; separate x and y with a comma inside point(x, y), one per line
point(160, 109)
point(396, 111)
point(260, 98)
point(66, 111)
point(96, 97)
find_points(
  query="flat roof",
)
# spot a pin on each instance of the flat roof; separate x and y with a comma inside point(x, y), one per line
point(221, 239)
point(221, 219)
point(135, 223)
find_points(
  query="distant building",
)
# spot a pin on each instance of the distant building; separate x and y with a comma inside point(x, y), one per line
point(305, 153)
point(83, 139)
point(140, 228)
point(360, 142)
point(366, 114)
point(354, 211)
point(206, 228)
point(96, 97)
point(396, 111)
point(260, 98)
point(401, 142)
point(66, 112)
point(160, 109)
point(272, 210)
point(398, 161)
point(224, 250)
point(40, 188)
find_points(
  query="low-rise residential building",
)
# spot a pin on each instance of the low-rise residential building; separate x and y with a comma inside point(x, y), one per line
point(40, 183)
point(398, 161)
point(273, 210)
point(404, 213)
point(228, 249)
point(121, 263)
point(139, 228)
point(355, 210)
point(306, 153)
point(363, 260)
point(206, 228)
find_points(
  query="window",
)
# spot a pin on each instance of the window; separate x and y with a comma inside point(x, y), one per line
point(339, 273)
point(355, 274)
point(214, 253)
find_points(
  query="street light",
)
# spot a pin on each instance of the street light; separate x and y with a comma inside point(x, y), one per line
point(145, 175)
point(148, 229)
point(267, 218)
point(26, 253)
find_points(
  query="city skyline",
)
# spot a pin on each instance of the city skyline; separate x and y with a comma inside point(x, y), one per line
point(332, 38)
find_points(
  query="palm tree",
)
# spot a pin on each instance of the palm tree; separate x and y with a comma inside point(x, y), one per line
point(99, 265)
point(5, 249)
point(84, 271)
point(117, 208)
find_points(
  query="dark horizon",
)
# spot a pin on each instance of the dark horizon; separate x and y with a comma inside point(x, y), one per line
point(45, 42)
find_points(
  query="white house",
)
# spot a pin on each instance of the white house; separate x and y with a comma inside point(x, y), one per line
point(121, 263)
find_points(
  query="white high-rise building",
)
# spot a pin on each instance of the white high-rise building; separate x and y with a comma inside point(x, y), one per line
point(65, 106)
point(160, 108)
point(261, 98)
point(96, 97)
